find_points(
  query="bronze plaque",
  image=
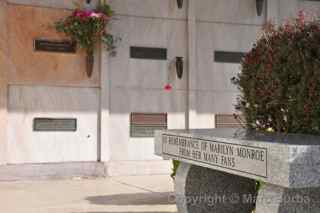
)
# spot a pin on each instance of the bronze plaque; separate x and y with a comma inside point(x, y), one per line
point(55, 124)
point(144, 124)
point(228, 57)
point(148, 53)
point(229, 121)
point(55, 46)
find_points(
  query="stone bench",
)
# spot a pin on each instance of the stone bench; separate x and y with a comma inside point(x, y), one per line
point(219, 167)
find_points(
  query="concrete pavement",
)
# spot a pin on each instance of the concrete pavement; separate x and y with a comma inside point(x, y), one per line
point(137, 194)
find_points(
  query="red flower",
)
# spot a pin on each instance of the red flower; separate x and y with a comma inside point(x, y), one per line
point(167, 87)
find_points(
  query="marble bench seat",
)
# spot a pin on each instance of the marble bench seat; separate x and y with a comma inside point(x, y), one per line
point(219, 168)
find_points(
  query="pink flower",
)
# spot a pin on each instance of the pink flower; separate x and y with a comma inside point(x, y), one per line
point(82, 14)
point(88, 13)
point(76, 13)
point(96, 15)
point(168, 87)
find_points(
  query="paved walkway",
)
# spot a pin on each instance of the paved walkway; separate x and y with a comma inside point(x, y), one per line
point(140, 194)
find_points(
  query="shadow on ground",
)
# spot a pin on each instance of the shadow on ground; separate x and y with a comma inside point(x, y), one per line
point(165, 198)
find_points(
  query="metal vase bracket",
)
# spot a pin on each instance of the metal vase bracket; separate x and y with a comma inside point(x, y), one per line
point(89, 63)
point(180, 4)
point(179, 66)
point(259, 5)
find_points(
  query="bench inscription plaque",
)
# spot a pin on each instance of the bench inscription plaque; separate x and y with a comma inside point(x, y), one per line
point(241, 158)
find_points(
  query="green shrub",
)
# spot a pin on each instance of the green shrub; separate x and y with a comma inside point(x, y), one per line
point(175, 165)
point(280, 79)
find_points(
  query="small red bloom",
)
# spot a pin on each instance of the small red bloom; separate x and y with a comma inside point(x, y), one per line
point(167, 87)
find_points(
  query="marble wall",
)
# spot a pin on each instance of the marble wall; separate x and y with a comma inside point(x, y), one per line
point(55, 85)
point(45, 84)
point(136, 85)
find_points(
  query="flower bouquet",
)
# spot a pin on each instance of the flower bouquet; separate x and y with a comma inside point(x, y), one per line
point(86, 27)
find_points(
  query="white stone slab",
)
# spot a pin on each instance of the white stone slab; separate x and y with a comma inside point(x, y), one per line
point(284, 160)
point(28, 146)
point(64, 4)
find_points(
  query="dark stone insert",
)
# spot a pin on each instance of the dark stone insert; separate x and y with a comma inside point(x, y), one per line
point(57, 46)
point(228, 57)
point(54, 124)
point(148, 53)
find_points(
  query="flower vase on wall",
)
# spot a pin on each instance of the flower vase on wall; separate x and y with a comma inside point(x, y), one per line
point(89, 63)
point(259, 5)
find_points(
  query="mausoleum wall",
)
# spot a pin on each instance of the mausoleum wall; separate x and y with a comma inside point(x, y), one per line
point(210, 35)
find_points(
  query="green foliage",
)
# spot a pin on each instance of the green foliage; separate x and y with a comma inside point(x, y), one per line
point(280, 79)
point(175, 165)
point(87, 27)
point(105, 9)
point(259, 184)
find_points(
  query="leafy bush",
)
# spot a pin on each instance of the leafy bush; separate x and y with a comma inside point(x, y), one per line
point(280, 79)
point(175, 165)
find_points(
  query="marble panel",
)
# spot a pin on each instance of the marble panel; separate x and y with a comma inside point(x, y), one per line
point(221, 37)
point(149, 8)
point(138, 72)
point(27, 103)
point(125, 148)
point(27, 66)
point(212, 102)
point(133, 149)
point(177, 45)
point(224, 102)
point(229, 11)
point(67, 4)
point(123, 102)
point(149, 100)
point(146, 73)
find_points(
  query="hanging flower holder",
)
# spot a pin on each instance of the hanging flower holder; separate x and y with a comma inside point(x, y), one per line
point(180, 4)
point(87, 27)
point(89, 63)
point(259, 5)
point(179, 67)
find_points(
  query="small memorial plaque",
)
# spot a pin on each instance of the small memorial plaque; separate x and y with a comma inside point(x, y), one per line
point(144, 124)
point(241, 158)
point(55, 124)
point(55, 46)
point(229, 121)
point(228, 57)
point(148, 53)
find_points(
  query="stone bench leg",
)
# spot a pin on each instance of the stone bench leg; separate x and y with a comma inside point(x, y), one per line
point(202, 190)
point(276, 199)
